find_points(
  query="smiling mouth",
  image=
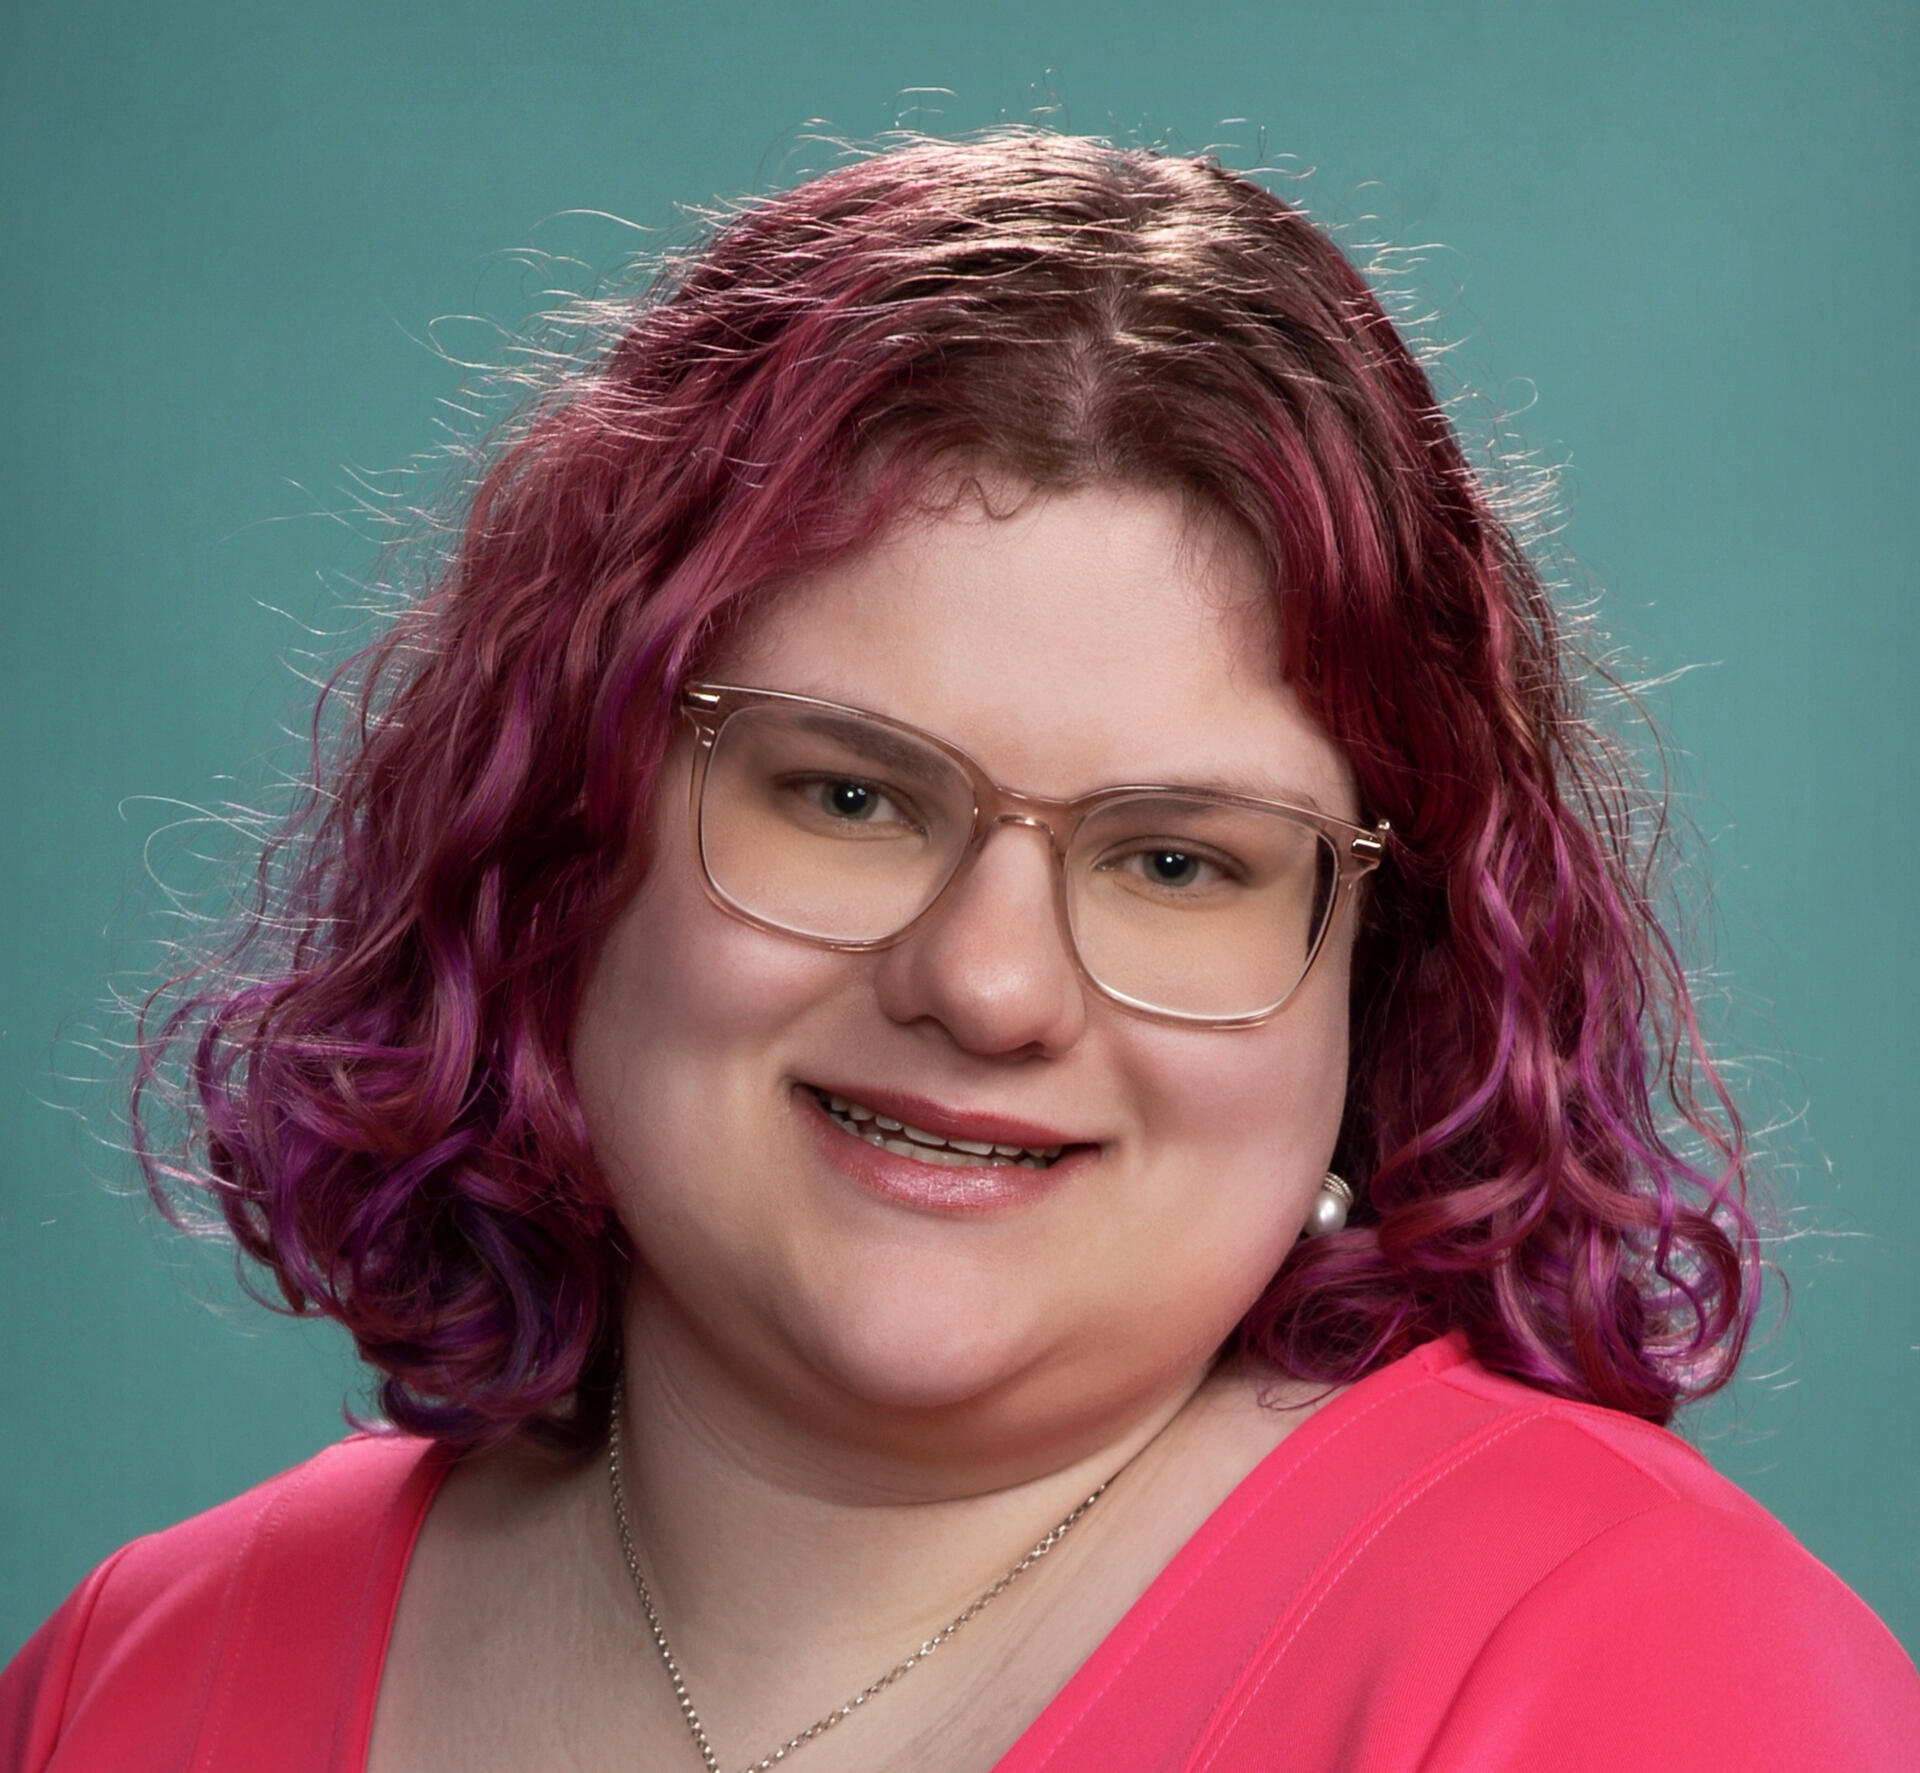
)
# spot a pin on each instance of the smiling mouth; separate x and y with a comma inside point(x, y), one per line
point(929, 1148)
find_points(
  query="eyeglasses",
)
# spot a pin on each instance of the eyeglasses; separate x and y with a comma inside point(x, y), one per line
point(846, 829)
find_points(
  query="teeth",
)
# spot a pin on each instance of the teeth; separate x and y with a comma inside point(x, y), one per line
point(929, 1148)
point(930, 1154)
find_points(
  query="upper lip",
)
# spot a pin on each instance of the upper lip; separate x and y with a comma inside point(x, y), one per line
point(928, 1116)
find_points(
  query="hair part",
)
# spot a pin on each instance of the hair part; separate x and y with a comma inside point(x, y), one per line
point(371, 1083)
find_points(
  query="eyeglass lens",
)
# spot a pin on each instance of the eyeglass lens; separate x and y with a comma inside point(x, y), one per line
point(844, 830)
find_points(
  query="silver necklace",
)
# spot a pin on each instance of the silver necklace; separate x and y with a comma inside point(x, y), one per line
point(840, 1714)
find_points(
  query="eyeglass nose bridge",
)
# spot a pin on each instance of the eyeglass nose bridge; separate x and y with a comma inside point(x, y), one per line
point(1023, 811)
point(1020, 809)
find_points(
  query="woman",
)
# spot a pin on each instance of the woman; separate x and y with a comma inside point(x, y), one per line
point(976, 1032)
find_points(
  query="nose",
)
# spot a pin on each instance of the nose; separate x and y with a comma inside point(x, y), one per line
point(991, 964)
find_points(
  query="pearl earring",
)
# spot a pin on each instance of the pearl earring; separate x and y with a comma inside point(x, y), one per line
point(1330, 1207)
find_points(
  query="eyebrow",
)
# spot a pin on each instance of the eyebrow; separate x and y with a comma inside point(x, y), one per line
point(1260, 790)
point(1245, 792)
point(909, 755)
point(878, 743)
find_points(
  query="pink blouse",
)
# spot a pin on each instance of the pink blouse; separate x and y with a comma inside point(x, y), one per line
point(1442, 1570)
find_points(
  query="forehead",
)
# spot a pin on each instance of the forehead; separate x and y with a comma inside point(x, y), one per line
point(1068, 640)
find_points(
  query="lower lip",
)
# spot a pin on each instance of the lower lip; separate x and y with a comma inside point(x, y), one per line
point(955, 1189)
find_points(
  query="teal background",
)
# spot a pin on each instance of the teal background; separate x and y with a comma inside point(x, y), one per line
point(1679, 248)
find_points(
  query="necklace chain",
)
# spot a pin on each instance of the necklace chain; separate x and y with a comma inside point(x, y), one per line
point(840, 1714)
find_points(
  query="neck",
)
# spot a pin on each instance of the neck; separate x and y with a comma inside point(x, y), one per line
point(825, 1522)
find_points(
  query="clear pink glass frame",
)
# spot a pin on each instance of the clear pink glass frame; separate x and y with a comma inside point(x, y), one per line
point(1357, 849)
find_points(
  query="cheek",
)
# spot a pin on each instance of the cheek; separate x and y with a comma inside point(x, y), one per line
point(1241, 1126)
point(677, 1018)
point(1270, 1096)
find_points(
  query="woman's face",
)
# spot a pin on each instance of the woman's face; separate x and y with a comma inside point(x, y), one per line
point(1088, 639)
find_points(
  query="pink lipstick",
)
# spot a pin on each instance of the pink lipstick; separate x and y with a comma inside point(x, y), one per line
point(924, 1154)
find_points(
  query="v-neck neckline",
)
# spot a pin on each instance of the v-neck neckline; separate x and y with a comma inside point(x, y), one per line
point(1131, 1635)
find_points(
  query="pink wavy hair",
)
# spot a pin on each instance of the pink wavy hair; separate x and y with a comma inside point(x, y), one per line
point(371, 1079)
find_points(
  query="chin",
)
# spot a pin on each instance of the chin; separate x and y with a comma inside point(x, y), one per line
point(926, 1362)
point(906, 1342)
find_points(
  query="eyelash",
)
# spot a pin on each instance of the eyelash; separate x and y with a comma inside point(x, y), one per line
point(1227, 871)
point(813, 789)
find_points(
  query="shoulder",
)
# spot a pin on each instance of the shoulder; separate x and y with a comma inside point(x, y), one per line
point(156, 1646)
point(1498, 1577)
point(1583, 1501)
point(1675, 1618)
